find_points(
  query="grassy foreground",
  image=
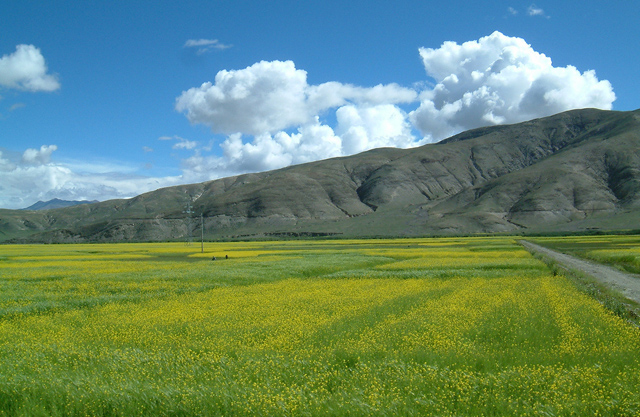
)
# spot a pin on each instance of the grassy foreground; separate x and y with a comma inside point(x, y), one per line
point(470, 326)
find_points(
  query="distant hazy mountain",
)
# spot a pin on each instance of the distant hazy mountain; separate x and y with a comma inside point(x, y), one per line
point(574, 171)
point(56, 203)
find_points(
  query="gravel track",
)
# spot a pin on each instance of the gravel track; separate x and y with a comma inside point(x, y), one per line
point(624, 283)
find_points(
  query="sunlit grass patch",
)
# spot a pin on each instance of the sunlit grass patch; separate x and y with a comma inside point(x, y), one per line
point(621, 251)
point(626, 259)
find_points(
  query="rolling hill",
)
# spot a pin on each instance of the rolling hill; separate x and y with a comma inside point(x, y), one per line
point(574, 171)
point(56, 203)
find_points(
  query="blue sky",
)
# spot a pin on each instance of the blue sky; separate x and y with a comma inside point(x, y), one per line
point(105, 99)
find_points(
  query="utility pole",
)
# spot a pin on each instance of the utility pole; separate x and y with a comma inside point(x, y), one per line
point(202, 232)
point(188, 212)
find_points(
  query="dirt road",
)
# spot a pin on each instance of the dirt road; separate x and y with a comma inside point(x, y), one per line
point(626, 284)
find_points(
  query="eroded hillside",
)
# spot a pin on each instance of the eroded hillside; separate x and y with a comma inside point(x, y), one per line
point(573, 171)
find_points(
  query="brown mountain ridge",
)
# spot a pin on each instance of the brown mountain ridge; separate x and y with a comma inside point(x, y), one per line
point(574, 171)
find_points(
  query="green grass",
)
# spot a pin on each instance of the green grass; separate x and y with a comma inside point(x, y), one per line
point(471, 326)
point(620, 251)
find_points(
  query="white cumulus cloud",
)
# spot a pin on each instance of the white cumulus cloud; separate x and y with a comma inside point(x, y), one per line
point(499, 79)
point(40, 156)
point(265, 152)
point(268, 97)
point(366, 127)
point(25, 69)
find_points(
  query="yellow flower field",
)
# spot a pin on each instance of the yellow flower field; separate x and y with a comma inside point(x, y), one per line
point(375, 327)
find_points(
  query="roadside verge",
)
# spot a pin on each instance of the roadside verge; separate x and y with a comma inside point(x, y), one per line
point(600, 281)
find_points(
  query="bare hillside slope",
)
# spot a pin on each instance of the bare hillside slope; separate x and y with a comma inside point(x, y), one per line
point(573, 171)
